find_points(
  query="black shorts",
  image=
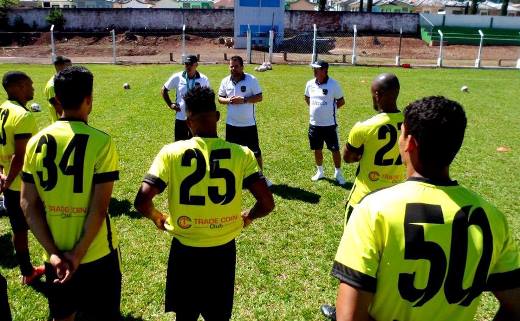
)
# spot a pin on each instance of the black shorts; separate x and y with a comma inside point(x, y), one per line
point(245, 136)
point(327, 134)
point(94, 290)
point(16, 217)
point(182, 132)
point(201, 280)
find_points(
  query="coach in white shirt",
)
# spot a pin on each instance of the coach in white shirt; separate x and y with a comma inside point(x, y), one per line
point(323, 95)
point(182, 82)
point(240, 91)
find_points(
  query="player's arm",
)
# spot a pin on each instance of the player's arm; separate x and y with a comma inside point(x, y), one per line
point(352, 304)
point(224, 100)
point(509, 307)
point(144, 204)
point(307, 100)
point(352, 154)
point(264, 201)
point(166, 97)
point(340, 102)
point(33, 210)
point(97, 212)
point(20, 143)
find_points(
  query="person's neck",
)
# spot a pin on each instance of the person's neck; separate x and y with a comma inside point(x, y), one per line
point(191, 74)
point(237, 77)
point(389, 108)
point(22, 102)
point(321, 80)
point(212, 134)
point(75, 115)
point(442, 175)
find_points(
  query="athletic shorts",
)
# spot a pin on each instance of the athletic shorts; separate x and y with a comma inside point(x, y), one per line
point(245, 136)
point(201, 280)
point(93, 291)
point(320, 134)
point(16, 217)
point(182, 132)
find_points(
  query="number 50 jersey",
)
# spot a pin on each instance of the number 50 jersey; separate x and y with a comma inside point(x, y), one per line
point(65, 161)
point(427, 250)
point(205, 177)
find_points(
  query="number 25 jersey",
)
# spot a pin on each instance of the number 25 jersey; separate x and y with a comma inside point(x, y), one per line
point(205, 177)
point(65, 160)
point(427, 250)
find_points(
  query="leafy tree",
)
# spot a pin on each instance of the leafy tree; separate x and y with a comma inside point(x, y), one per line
point(56, 18)
point(322, 4)
point(4, 6)
point(503, 9)
point(369, 5)
point(474, 7)
point(361, 5)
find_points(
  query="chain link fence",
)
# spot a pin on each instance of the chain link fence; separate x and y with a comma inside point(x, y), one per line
point(346, 47)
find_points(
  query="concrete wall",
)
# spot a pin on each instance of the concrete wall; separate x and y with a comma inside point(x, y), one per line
point(215, 20)
point(473, 21)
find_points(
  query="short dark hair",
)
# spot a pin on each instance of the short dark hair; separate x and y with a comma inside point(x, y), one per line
point(72, 85)
point(438, 125)
point(61, 60)
point(200, 100)
point(13, 78)
point(239, 59)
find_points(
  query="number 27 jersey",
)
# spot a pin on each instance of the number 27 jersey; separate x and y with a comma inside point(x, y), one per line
point(427, 251)
point(205, 177)
point(64, 161)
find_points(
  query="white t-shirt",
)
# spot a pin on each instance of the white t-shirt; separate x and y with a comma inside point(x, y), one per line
point(322, 104)
point(181, 83)
point(240, 115)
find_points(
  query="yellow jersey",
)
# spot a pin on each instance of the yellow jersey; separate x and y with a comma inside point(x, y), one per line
point(17, 123)
point(50, 94)
point(427, 250)
point(205, 177)
point(65, 161)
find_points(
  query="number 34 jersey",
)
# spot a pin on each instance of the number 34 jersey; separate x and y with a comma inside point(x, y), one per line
point(427, 251)
point(205, 177)
point(65, 161)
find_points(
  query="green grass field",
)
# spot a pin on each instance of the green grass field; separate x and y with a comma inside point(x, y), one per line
point(284, 260)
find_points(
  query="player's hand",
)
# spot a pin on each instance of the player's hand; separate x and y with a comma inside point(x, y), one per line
point(62, 268)
point(245, 217)
point(236, 100)
point(73, 260)
point(3, 180)
point(175, 106)
point(159, 220)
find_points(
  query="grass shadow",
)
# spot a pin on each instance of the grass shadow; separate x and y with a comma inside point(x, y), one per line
point(85, 317)
point(295, 193)
point(122, 207)
point(7, 258)
point(347, 185)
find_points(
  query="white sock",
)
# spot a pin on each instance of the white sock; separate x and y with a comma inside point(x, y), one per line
point(320, 169)
point(337, 171)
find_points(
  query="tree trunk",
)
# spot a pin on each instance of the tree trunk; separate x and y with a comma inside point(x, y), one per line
point(322, 4)
point(503, 10)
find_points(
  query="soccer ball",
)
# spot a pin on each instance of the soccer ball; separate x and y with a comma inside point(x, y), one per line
point(464, 89)
point(126, 85)
point(36, 107)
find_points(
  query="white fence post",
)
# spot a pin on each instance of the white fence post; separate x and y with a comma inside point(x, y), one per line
point(183, 56)
point(354, 46)
point(398, 57)
point(271, 45)
point(518, 62)
point(114, 46)
point(477, 62)
point(314, 51)
point(439, 60)
point(53, 46)
point(248, 47)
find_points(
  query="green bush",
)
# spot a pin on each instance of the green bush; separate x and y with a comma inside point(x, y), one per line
point(56, 18)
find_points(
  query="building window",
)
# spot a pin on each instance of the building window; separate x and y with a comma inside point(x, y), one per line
point(457, 12)
point(186, 5)
point(66, 6)
point(484, 13)
point(426, 11)
point(55, 5)
point(405, 10)
point(46, 4)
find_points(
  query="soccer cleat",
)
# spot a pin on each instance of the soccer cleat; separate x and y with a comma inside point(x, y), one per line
point(329, 312)
point(319, 175)
point(340, 179)
point(36, 274)
point(268, 182)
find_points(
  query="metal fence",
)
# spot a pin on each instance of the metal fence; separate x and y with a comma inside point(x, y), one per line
point(346, 47)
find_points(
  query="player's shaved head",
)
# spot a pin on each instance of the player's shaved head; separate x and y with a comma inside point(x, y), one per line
point(18, 86)
point(13, 78)
point(385, 90)
point(72, 86)
point(202, 112)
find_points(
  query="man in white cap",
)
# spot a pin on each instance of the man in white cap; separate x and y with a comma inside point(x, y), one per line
point(323, 95)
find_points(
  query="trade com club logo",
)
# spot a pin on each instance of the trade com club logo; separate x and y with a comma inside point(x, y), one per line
point(184, 222)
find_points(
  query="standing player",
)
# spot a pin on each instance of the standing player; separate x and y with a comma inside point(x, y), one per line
point(240, 91)
point(182, 82)
point(425, 249)
point(324, 95)
point(373, 143)
point(55, 109)
point(68, 176)
point(18, 125)
point(205, 176)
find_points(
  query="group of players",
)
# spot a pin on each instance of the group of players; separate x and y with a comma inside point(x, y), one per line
point(421, 248)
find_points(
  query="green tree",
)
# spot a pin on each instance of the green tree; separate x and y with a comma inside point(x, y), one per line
point(4, 6)
point(361, 5)
point(56, 18)
point(503, 9)
point(369, 5)
point(322, 5)
point(474, 7)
